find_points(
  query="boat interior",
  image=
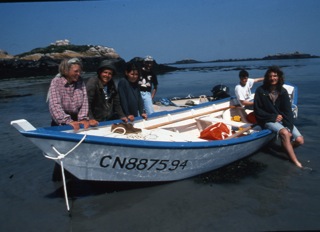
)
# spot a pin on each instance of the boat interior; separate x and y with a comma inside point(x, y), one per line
point(183, 126)
point(179, 124)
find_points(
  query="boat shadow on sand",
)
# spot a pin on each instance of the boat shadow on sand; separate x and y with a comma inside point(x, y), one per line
point(232, 173)
point(83, 188)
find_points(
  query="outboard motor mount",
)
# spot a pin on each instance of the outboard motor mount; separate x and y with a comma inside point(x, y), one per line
point(220, 92)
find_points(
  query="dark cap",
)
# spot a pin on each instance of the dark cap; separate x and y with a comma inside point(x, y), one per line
point(106, 64)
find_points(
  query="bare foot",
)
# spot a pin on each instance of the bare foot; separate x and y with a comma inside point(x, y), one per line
point(298, 164)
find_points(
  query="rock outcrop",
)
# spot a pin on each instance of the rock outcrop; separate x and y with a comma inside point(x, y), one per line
point(5, 55)
point(295, 55)
point(45, 61)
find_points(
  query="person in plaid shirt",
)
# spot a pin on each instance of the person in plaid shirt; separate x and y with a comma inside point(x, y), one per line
point(68, 101)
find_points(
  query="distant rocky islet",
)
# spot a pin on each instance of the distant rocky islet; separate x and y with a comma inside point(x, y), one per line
point(45, 61)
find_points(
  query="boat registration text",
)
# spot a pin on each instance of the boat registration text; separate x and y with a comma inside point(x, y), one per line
point(142, 164)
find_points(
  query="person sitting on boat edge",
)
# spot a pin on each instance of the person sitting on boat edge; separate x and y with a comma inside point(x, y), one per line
point(68, 103)
point(148, 83)
point(243, 89)
point(129, 92)
point(103, 97)
point(272, 108)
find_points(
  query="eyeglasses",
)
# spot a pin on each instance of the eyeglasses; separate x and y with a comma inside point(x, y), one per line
point(273, 75)
point(74, 61)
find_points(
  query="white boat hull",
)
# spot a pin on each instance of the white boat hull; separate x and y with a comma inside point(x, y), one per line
point(120, 159)
point(167, 148)
point(124, 163)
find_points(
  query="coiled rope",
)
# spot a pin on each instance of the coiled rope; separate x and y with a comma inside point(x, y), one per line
point(136, 136)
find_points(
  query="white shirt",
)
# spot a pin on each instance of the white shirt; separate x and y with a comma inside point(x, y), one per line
point(243, 93)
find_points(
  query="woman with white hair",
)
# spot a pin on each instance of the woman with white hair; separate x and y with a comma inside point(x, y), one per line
point(68, 102)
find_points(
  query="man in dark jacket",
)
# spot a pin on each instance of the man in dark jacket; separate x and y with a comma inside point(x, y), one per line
point(272, 108)
point(148, 83)
point(103, 98)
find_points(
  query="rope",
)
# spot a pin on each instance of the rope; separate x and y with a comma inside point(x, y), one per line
point(136, 136)
point(121, 128)
point(142, 136)
point(64, 186)
point(60, 157)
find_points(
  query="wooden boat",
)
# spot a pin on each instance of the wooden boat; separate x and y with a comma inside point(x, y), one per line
point(167, 148)
point(218, 92)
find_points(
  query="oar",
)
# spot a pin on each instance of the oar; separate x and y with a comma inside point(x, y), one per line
point(188, 117)
point(241, 132)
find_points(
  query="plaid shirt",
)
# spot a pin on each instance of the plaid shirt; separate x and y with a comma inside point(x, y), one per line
point(67, 102)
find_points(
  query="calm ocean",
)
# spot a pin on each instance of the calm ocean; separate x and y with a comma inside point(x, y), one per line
point(261, 193)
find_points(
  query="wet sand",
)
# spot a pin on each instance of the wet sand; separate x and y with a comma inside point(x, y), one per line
point(262, 193)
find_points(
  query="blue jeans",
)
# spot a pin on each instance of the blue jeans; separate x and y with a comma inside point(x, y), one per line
point(147, 102)
point(276, 127)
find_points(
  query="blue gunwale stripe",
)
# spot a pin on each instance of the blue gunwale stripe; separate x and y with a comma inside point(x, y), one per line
point(42, 133)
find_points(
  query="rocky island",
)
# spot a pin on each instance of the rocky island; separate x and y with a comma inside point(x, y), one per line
point(279, 56)
point(45, 61)
point(294, 55)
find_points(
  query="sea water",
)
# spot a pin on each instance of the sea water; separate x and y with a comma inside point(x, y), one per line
point(262, 193)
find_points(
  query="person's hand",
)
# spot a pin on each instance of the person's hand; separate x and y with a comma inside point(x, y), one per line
point(131, 118)
point(75, 125)
point(93, 122)
point(124, 119)
point(279, 118)
point(145, 116)
point(85, 123)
